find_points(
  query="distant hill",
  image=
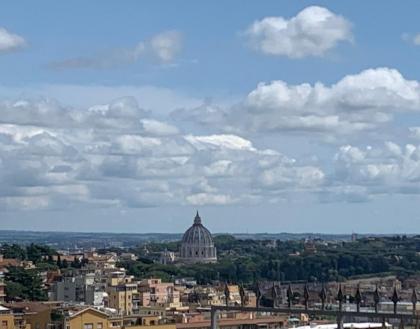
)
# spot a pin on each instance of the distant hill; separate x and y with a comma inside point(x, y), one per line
point(104, 240)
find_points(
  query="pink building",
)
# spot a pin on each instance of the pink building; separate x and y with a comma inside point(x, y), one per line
point(156, 292)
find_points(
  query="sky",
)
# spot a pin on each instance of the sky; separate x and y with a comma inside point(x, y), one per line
point(266, 116)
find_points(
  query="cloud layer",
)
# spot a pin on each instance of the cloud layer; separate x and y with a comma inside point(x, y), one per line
point(312, 32)
point(116, 155)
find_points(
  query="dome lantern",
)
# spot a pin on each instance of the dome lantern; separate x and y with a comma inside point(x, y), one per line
point(197, 219)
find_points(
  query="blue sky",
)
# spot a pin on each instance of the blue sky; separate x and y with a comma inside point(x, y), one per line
point(267, 116)
point(212, 33)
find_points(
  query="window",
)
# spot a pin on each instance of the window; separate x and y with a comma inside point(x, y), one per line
point(4, 324)
point(99, 325)
point(88, 326)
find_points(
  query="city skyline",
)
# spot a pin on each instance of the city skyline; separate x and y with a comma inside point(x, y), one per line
point(264, 117)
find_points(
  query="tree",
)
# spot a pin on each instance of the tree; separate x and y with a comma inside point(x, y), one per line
point(15, 290)
point(24, 284)
point(76, 263)
point(13, 251)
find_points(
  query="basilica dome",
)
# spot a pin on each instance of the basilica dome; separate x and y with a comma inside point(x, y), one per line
point(197, 244)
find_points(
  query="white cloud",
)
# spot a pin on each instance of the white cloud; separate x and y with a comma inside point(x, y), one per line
point(356, 103)
point(115, 154)
point(301, 177)
point(388, 169)
point(201, 199)
point(163, 47)
point(157, 99)
point(119, 154)
point(416, 39)
point(220, 141)
point(10, 41)
point(158, 128)
point(312, 32)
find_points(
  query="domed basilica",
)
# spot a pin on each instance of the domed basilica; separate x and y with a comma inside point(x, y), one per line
point(197, 244)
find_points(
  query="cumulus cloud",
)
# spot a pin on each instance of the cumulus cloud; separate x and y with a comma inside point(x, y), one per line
point(312, 32)
point(163, 47)
point(10, 41)
point(356, 103)
point(116, 154)
point(388, 169)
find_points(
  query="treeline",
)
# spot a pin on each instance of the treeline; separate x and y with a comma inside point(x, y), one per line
point(25, 283)
point(249, 260)
point(32, 252)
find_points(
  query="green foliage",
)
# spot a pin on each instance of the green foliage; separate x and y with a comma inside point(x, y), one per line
point(15, 290)
point(76, 263)
point(64, 264)
point(225, 241)
point(248, 260)
point(46, 266)
point(13, 251)
point(33, 252)
point(24, 284)
point(36, 253)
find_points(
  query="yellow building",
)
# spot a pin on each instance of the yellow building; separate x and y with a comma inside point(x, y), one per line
point(6, 318)
point(30, 315)
point(88, 318)
point(116, 278)
point(121, 298)
point(2, 288)
point(146, 324)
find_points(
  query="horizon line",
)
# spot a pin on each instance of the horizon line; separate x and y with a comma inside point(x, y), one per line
point(216, 233)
